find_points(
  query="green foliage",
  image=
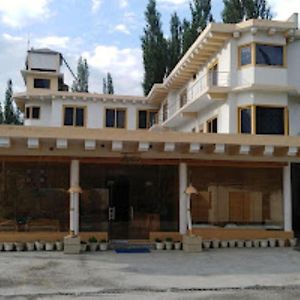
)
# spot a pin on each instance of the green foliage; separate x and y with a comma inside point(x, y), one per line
point(10, 114)
point(174, 42)
point(82, 84)
point(154, 47)
point(237, 10)
point(108, 85)
point(200, 17)
point(92, 239)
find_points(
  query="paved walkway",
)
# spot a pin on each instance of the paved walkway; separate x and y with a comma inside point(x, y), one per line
point(213, 273)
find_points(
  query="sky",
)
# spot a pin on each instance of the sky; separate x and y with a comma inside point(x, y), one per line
point(106, 32)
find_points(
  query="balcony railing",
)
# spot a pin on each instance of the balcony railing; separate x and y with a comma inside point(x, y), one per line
point(209, 80)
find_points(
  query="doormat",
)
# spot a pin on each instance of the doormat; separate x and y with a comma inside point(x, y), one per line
point(132, 250)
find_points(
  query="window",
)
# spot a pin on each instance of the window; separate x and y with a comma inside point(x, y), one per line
point(212, 125)
point(269, 55)
point(41, 83)
point(183, 98)
point(74, 116)
point(245, 55)
point(267, 120)
point(146, 119)
point(115, 118)
point(32, 112)
point(165, 111)
point(245, 120)
point(270, 120)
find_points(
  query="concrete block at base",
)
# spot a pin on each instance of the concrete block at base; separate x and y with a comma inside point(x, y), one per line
point(192, 243)
point(72, 245)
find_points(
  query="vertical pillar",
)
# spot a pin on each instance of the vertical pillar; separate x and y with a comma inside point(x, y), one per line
point(74, 196)
point(287, 198)
point(182, 198)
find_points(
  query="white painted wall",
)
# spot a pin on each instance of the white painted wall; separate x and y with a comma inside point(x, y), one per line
point(293, 62)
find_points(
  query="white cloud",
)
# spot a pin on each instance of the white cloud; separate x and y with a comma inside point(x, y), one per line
point(96, 5)
point(125, 65)
point(122, 28)
point(283, 9)
point(52, 42)
point(173, 2)
point(17, 13)
point(123, 3)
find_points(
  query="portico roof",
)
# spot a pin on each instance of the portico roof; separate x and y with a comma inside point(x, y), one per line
point(119, 143)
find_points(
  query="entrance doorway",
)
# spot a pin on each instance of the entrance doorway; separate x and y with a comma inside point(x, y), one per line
point(119, 212)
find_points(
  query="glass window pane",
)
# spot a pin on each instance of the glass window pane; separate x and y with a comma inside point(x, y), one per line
point(35, 112)
point(80, 117)
point(215, 125)
point(121, 116)
point(110, 118)
point(245, 120)
point(246, 55)
point(152, 118)
point(41, 83)
point(269, 55)
point(142, 119)
point(68, 118)
point(269, 120)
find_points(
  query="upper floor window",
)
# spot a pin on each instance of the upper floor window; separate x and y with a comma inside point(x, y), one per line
point(262, 55)
point(41, 83)
point(32, 112)
point(212, 125)
point(115, 118)
point(146, 118)
point(165, 111)
point(183, 98)
point(245, 55)
point(267, 120)
point(74, 116)
point(269, 55)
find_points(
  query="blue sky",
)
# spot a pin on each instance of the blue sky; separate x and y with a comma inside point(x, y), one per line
point(106, 32)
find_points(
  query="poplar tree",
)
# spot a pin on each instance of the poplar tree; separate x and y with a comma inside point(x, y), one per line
point(238, 10)
point(9, 112)
point(110, 84)
point(200, 16)
point(82, 83)
point(104, 86)
point(174, 42)
point(154, 47)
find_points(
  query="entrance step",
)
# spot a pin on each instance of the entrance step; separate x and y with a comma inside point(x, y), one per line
point(127, 244)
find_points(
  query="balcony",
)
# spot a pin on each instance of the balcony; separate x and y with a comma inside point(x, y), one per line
point(213, 85)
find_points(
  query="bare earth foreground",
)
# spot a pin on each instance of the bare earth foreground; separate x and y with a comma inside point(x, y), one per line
point(216, 274)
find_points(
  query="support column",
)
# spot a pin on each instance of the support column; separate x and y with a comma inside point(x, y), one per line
point(74, 197)
point(182, 198)
point(287, 198)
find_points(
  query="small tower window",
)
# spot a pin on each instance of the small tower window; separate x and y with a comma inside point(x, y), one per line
point(32, 112)
point(41, 83)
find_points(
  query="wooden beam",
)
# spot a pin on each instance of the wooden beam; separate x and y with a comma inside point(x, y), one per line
point(90, 145)
point(117, 146)
point(33, 143)
point(62, 144)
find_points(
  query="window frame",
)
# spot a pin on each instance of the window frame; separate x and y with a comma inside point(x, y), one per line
point(209, 124)
point(74, 107)
point(42, 88)
point(253, 118)
point(253, 55)
point(148, 112)
point(29, 112)
point(115, 109)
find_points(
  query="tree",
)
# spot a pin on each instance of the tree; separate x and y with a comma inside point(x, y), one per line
point(110, 84)
point(174, 42)
point(201, 15)
point(1, 114)
point(154, 48)
point(238, 10)
point(9, 112)
point(82, 83)
point(104, 86)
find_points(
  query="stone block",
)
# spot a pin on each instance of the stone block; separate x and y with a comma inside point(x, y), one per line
point(72, 245)
point(192, 243)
